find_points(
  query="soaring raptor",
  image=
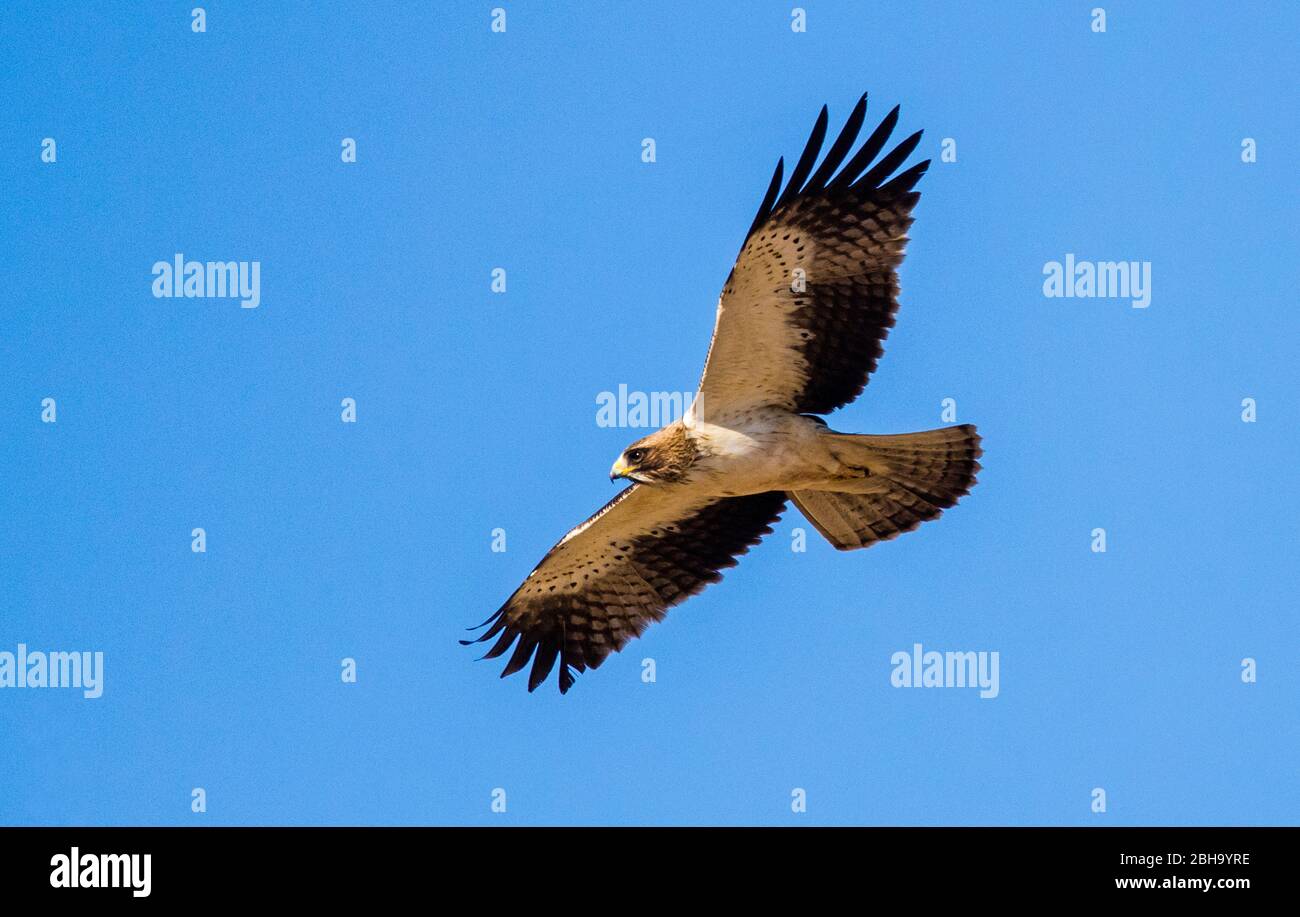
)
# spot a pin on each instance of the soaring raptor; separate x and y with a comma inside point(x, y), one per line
point(799, 329)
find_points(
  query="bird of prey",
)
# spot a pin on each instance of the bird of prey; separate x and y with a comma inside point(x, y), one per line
point(799, 328)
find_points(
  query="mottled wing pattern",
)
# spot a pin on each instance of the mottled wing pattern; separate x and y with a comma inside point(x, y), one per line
point(808, 342)
point(645, 551)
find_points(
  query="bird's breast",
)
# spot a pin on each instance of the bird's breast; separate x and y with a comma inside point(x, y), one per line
point(753, 454)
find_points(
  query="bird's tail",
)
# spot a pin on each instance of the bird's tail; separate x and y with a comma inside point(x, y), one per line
point(897, 482)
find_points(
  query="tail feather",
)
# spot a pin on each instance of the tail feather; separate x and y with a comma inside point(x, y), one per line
point(906, 479)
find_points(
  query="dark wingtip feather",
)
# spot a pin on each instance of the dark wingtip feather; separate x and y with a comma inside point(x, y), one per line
point(858, 171)
point(840, 148)
point(805, 164)
point(766, 207)
point(882, 170)
point(490, 618)
point(519, 658)
point(500, 646)
point(491, 632)
point(904, 181)
point(873, 145)
point(543, 662)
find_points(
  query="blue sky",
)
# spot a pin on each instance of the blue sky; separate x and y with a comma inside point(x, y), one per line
point(477, 410)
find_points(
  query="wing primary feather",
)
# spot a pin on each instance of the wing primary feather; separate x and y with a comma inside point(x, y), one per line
point(547, 650)
point(490, 632)
point(501, 645)
point(873, 145)
point(567, 677)
point(805, 164)
point(764, 208)
point(840, 148)
point(881, 170)
point(519, 658)
point(904, 181)
point(490, 618)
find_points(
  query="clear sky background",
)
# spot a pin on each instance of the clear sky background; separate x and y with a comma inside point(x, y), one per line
point(477, 410)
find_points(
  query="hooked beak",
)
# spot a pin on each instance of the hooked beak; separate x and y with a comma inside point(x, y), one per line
point(619, 470)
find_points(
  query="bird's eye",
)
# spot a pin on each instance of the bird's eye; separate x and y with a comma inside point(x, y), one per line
point(636, 455)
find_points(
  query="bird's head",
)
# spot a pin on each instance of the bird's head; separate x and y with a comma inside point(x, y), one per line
point(660, 458)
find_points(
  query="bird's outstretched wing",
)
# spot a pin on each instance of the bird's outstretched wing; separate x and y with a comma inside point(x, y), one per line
point(645, 551)
point(814, 290)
